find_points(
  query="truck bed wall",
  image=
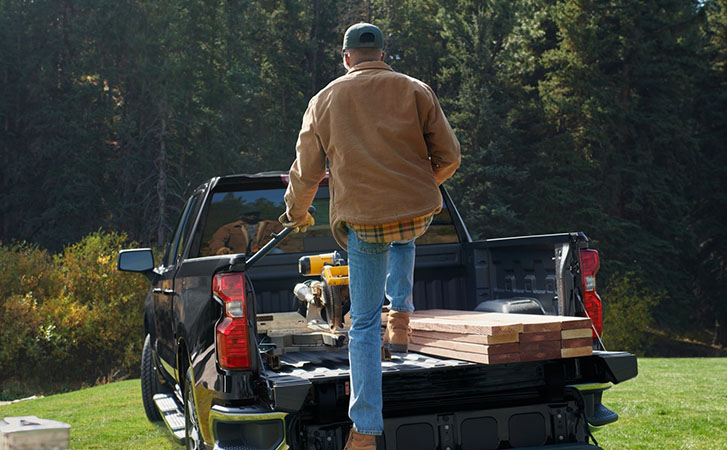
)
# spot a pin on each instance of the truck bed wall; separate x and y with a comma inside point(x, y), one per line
point(447, 276)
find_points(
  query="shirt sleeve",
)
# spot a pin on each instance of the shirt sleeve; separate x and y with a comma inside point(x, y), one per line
point(443, 145)
point(308, 169)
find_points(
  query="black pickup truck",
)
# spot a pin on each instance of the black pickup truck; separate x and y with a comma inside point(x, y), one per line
point(206, 373)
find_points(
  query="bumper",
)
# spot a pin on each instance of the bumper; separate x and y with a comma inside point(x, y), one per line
point(248, 428)
point(616, 366)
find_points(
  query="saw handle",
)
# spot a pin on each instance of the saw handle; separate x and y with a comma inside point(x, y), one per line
point(272, 243)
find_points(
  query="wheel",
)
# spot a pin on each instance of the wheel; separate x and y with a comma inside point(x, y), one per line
point(149, 382)
point(192, 433)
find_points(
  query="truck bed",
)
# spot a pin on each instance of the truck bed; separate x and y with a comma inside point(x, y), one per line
point(423, 393)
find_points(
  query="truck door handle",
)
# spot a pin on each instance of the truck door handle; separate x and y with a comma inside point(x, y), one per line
point(163, 291)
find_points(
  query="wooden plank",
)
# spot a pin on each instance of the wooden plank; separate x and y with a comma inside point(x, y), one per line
point(469, 316)
point(466, 327)
point(540, 355)
point(471, 338)
point(539, 323)
point(579, 342)
point(531, 323)
point(451, 313)
point(541, 327)
point(498, 349)
point(576, 333)
point(577, 351)
point(569, 323)
point(466, 356)
point(542, 346)
point(542, 336)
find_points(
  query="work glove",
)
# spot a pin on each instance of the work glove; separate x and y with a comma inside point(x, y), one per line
point(297, 226)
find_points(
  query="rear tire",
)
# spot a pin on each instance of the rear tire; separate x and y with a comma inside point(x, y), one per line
point(149, 382)
point(192, 433)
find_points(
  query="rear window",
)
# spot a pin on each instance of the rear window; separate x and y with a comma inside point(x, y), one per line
point(243, 221)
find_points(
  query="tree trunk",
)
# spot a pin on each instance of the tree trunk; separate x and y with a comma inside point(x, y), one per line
point(6, 162)
point(720, 329)
point(162, 183)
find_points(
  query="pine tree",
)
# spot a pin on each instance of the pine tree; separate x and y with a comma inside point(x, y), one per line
point(710, 211)
point(476, 33)
point(619, 90)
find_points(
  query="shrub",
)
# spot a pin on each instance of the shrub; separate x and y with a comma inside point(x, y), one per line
point(27, 269)
point(628, 314)
point(71, 317)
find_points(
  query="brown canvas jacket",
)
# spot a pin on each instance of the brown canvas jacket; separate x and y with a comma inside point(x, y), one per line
point(387, 143)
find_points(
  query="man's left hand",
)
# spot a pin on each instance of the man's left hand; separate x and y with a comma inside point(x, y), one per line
point(298, 226)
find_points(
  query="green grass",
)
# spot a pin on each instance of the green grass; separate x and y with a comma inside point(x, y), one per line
point(103, 417)
point(672, 404)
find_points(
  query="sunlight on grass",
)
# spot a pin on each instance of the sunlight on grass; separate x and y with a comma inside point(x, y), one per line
point(103, 417)
point(672, 404)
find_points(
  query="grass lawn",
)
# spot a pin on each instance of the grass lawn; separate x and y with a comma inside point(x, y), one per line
point(103, 417)
point(675, 404)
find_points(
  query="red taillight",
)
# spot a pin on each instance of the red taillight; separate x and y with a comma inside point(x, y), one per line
point(589, 266)
point(233, 349)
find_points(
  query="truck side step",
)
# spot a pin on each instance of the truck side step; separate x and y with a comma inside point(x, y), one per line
point(173, 416)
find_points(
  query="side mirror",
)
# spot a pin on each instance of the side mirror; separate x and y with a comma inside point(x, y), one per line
point(136, 260)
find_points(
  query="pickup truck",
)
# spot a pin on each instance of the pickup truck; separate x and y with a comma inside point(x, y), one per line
point(205, 368)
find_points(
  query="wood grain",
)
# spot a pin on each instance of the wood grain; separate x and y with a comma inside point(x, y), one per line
point(540, 346)
point(497, 349)
point(466, 356)
point(471, 338)
point(576, 351)
point(576, 333)
point(542, 336)
point(449, 325)
point(579, 342)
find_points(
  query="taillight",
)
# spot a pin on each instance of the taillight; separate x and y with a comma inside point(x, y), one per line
point(233, 349)
point(589, 266)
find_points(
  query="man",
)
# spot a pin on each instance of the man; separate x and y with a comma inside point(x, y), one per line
point(388, 147)
point(246, 235)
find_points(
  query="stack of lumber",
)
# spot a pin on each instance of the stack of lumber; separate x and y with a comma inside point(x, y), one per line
point(494, 338)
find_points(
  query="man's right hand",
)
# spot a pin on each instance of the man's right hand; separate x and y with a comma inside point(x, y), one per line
point(298, 226)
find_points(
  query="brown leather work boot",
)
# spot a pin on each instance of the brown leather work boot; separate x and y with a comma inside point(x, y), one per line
point(396, 336)
point(358, 441)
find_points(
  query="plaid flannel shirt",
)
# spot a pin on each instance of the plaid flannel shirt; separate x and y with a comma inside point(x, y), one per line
point(404, 230)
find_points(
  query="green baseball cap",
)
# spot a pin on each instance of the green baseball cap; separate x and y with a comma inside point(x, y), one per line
point(363, 35)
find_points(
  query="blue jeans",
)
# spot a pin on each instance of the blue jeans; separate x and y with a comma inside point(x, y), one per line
point(375, 271)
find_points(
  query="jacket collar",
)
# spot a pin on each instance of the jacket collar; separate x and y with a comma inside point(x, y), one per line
point(367, 65)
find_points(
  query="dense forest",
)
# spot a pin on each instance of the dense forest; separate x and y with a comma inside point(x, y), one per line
point(608, 117)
